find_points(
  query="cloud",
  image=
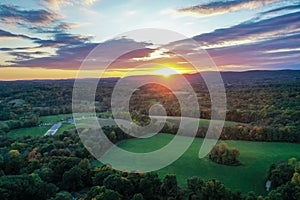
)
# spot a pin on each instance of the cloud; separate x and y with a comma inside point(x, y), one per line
point(26, 55)
point(56, 4)
point(6, 34)
point(75, 49)
point(43, 22)
point(13, 14)
point(285, 8)
point(39, 21)
point(65, 26)
point(281, 52)
point(265, 42)
point(220, 7)
point(252, 31)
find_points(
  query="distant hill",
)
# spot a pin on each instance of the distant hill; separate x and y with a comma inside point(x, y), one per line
point(228, 77)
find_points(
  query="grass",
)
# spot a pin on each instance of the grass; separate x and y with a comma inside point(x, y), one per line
point(61, 117)
point(256, 157)
point(203, 122)
point(33, 131)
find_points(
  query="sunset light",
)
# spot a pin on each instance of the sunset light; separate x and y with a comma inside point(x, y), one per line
point(165, 72)
point(139, 100)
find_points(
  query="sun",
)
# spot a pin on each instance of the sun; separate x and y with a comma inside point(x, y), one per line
point(165, 72)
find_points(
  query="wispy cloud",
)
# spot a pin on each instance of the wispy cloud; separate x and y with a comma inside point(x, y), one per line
point(265, 42)
point(6, 34)
point(280, 9)
point(56, 4)
point(253, 31)
point(13, 14)
point(74, 50)
point(256, 43)
point(53, 34)
point(220, 7)
point(270, 40)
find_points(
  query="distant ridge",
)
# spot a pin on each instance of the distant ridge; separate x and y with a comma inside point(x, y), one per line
point(249, 74)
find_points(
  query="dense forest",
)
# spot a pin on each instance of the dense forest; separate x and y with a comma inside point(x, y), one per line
point(265, 103)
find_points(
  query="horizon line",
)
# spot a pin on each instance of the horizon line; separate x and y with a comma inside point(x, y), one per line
point(221, 71)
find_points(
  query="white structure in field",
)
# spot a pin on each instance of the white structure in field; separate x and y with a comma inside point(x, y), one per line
point(268, 185)
point(53, 129)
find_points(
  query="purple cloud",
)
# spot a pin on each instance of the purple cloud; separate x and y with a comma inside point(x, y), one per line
point(12, 14)
point(220, 7)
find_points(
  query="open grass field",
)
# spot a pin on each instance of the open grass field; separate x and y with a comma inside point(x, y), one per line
point(61, 117)
point(256, 157)
point(203, 122)
point(32, 131)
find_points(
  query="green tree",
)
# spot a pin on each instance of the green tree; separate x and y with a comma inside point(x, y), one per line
point(46, 174)
point(251, 196)
point(223, 154)
point(296, 179)
point(138, 196)
point(84, 164)
point(23, 187)
point(119, 184)
point(31, 167)
point(102, 193)
point(194, 188)
point(169, 187)
point(100, 176)
point(292, 161)
point(287, 191)
point(13, 162)
point(150, 186)
point(72, 179)
point(214, 190)
point(63, 196)
point(280, 175)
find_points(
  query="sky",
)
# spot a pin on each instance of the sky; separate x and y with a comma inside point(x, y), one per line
point(53, 39)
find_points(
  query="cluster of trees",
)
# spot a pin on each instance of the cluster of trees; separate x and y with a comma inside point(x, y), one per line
point(246, 132)
point(17, 116)
point(225, 155)
point(255, 133)
point(285, 180)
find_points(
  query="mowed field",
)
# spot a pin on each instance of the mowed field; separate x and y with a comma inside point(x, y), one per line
point(256, 157)
point(32, 131)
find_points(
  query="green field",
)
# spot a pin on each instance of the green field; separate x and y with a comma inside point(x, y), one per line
point(203, 122)
point(33, 131)
point(37, 131)
point(256, 157)
point(61, 117)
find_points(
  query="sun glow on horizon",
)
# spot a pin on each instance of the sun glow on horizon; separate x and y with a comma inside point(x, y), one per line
point(165, 72)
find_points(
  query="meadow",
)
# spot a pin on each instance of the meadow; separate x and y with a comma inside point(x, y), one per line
point(32, 131)
point(255, 156)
